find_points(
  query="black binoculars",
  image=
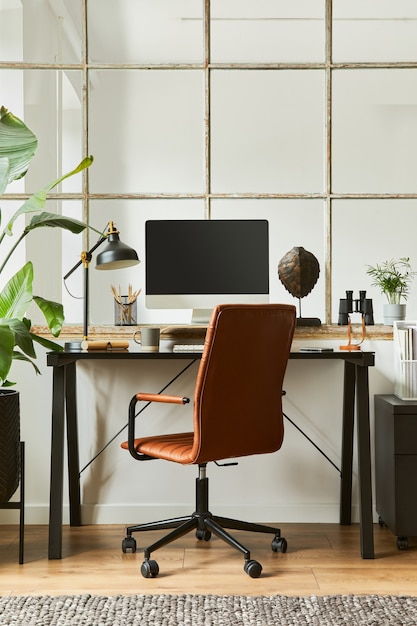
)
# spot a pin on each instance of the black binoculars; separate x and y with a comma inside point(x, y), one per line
point(361, 305)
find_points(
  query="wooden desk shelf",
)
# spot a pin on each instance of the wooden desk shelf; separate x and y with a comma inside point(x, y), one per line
point(188, 331)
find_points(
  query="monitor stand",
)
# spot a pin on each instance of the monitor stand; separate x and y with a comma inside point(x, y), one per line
point(201, 317)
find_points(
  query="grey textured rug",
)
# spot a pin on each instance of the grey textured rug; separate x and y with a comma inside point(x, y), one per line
point(208, 610)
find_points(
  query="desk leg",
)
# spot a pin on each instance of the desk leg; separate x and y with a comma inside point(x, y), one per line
point(347, 443)
point(364, 463)
point(57, 464)
point(72, 446)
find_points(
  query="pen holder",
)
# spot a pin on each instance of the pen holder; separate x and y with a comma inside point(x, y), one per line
point(125, 312)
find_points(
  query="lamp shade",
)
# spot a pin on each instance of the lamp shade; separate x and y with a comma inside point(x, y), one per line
point(116, 254)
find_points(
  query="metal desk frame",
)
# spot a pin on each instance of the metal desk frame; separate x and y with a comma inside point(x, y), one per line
point(64, 418)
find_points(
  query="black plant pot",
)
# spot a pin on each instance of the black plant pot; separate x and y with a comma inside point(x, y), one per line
point(9, 443)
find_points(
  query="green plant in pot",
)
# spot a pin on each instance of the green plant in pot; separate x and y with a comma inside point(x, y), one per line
point(393, 278)
point(17, 148)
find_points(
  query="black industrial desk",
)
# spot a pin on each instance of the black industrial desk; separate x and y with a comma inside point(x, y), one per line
point(64, 413)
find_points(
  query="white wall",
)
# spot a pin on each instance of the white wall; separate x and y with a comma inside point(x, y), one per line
point(268, 136)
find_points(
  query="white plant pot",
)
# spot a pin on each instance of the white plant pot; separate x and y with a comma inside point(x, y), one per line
point(393, 313)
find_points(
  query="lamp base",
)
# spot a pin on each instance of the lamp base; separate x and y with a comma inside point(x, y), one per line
point(350, 347)
point(308, 321)
point(72, 346)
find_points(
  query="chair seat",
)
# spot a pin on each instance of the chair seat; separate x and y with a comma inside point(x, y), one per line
point(175, 447)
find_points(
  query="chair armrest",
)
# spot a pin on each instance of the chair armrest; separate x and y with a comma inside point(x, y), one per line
point(156, 397)
point(146, 397)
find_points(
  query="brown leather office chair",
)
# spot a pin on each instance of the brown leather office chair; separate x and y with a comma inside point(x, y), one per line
point(237, 412)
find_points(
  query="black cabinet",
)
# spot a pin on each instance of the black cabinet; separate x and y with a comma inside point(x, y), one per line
point(396, 465)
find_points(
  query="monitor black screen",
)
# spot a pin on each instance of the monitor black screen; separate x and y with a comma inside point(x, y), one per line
point(196, 264)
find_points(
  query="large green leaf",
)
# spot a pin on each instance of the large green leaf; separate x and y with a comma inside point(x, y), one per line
point(53, 313)
point(6, 351)
point(47, 343)
point(55, 221)
point(17, 143)
point(4, 173)
point(22, 335)
point(37, 201)
point(17, 293)
point(21, 357)
point(42, 220)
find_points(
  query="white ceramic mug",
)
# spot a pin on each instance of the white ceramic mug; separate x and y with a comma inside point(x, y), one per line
point(149, 339)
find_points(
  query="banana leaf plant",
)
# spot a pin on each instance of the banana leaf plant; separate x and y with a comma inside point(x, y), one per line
point(17, 147)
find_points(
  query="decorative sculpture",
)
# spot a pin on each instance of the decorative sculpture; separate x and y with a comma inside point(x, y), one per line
point(298, 270)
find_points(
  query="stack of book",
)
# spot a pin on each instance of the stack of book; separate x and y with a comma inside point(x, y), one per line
point(405, 351)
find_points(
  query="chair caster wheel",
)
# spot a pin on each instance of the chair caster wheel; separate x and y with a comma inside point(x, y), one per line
point(253, 568)
point(279, 544)
point(149, 569)
point(402, 543)
point(203, 535)
point(129, 543)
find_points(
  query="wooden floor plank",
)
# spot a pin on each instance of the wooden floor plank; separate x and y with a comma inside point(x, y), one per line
point(321, 559)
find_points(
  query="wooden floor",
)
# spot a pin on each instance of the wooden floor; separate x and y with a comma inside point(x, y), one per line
point(321, 559)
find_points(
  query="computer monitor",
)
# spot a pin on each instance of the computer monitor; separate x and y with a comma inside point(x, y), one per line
point(196, 264)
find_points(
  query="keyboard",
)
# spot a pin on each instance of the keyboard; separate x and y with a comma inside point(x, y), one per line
point(188, 347)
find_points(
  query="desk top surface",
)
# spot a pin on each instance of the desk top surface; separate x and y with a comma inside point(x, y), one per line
point(358, 357)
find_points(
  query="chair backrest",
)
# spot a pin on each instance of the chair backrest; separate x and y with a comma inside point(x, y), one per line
point(238, 394)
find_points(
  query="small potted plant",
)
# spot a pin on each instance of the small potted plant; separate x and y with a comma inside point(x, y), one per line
point(393, 278)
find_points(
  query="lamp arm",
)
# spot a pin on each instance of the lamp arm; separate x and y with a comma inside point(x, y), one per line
point(85, 257)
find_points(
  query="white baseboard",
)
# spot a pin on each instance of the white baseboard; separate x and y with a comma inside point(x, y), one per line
point(133, 513)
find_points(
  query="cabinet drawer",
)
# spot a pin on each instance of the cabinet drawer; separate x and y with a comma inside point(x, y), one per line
point(396, 424)
point(405, 434)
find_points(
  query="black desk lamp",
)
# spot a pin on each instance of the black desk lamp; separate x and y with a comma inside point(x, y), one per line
point(116, 255)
